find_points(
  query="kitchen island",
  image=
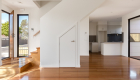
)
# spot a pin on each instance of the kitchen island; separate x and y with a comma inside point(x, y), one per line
point(111, 48)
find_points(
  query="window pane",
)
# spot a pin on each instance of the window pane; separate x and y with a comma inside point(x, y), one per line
point(23, 35)
point(5, 35)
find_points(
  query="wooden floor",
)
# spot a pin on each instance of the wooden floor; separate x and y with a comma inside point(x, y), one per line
point(94, 67)
point(11, 67)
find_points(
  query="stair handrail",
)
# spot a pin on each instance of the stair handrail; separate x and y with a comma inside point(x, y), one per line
point(36, 33)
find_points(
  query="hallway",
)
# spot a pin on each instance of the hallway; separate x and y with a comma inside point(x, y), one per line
point(94, 67)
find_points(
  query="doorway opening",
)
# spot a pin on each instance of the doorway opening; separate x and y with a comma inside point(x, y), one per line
point(22, 35)
point(5, 31)
point(103, 35)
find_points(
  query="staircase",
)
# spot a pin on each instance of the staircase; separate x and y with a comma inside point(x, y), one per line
point(32, 61)
point(36, 57)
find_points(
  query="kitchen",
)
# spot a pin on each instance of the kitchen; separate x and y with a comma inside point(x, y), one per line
point(105, 37)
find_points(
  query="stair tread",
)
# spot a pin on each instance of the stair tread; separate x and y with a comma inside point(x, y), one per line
point(34, 52)
point(37, 47)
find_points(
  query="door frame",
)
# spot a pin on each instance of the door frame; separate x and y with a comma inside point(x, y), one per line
point(9, 32)
point(18, 34)
point(77, 42)
point(129, 35)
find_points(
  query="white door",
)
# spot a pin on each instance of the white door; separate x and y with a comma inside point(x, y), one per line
point(67, 48)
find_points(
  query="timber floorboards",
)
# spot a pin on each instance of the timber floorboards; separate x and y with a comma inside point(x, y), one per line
point(93, 67)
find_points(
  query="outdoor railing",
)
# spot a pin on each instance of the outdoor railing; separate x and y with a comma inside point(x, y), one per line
point(23, 51)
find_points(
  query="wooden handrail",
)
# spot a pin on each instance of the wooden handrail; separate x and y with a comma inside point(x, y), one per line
point(37, 33)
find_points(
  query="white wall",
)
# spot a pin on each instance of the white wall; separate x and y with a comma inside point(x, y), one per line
point(84, 37)
point(92, 28)
point(125, 30)
point(0, 31)
point(114, 27)
point(34, 22)
point(56, 21)
point(5, 8)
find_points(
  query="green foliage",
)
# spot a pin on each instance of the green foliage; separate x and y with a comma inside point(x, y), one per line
point(23, 29)
point(20, 32)
point(5, 28)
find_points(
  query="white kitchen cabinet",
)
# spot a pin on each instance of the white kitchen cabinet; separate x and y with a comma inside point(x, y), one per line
point(102, 28)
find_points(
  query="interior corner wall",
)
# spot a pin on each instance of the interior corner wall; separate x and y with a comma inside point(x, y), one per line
point(84, 37)
point(125, 30)
point(0, 31)
point(34, 22)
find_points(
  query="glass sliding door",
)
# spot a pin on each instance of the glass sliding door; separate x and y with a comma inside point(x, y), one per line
point(23, 32)
point(5, 35)
point(134, 37)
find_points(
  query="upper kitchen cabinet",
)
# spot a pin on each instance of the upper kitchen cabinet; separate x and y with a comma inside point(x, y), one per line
point(102, 28)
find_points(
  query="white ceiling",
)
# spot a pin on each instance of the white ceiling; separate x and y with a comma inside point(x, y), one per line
point(113, 10)
point(39, 2)
point(18, 4)
point(47, 0)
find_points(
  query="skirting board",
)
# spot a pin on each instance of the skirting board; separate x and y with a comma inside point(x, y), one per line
point(112, 55)
point(77, 66)
point(84, 54)
point(42, 66)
